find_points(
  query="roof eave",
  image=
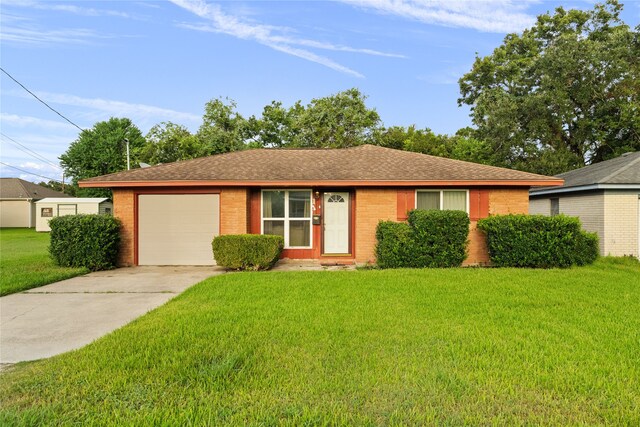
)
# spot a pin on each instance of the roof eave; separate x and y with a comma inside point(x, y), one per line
point(580, 188)
point(322, 183)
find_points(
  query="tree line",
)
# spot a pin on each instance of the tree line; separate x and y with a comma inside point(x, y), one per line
point(563, 94)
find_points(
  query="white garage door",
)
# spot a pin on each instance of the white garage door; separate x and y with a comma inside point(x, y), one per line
point(177, 229)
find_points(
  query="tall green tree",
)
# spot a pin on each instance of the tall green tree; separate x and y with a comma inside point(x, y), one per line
point(563, 93)
point(462, 146)
point(278, 126)
point(337, 121)
point(168, 142)
point(101, 150)
point(223, 129)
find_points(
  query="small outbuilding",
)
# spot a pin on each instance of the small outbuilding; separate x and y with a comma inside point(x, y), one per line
point(50, 207)
point(606, 198)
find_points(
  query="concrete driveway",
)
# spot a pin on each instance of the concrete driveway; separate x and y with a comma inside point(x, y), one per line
point(67, 315)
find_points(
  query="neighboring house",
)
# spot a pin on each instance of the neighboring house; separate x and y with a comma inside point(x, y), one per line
point(17, 201)
point(326, 203)
point(50, 207)
point(606, 198)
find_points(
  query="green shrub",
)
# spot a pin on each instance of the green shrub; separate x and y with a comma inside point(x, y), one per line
point(247, 251)
point(439, 237)
point(587, 248)
point(395, 241)
point(430, 239)
point(90, 241)
point(538, 241)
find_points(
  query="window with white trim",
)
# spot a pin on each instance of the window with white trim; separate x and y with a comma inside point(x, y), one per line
point(456, 200)
point(287, 213)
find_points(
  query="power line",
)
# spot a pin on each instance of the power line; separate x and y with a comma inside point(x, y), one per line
point(28, 153)
point(32, 153)
point(30, 173)
point(36, 97)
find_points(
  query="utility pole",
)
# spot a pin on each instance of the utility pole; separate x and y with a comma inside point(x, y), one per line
point(128, 160)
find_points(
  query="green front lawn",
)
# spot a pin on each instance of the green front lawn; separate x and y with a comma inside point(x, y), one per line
point(25, 262)
point(456, 346)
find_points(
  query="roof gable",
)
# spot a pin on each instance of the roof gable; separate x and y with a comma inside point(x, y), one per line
point(363, 164)
point(16, 188)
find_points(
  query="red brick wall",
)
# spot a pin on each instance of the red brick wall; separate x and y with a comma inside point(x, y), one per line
point(373, 205)
point(234, 205)
point(477, 248)
point(491, 202)
point(124, 209)
point(509, 201)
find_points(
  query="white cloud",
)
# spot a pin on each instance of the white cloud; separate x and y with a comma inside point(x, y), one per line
point(69, 8)
point(84, 11)
point(90, 110)
point(499, 16)
point(136, 112)
point(147, 4)
point(30, 122)
point(285, 40)
point(38, 167)
point(273, 37)
point(310, 56)
point(28, 170)
point(36, 36)
point(25, 30)
point(48, 144)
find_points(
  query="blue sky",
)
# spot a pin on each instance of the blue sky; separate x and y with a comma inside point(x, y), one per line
point(155, 61)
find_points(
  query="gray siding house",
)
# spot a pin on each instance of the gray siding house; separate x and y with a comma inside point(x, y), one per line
point(606, 198)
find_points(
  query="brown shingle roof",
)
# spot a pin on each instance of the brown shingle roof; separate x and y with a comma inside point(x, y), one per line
point(16, 188)
point(367, 164)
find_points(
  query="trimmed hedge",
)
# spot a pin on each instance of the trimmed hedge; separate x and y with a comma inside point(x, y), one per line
point(440, 237)
point(430, 239)
point(538, 241)
point(395, 244)
point(247, 251)
point(90, 241)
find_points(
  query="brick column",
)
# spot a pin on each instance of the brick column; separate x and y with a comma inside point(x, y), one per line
point(123, 209)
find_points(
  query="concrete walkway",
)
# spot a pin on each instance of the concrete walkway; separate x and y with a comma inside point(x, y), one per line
point(67, 315)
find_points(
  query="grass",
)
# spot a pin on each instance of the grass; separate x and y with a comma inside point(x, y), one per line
point(455, 346)
point(25, 262)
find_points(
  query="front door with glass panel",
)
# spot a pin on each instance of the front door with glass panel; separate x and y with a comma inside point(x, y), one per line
point(336, 223)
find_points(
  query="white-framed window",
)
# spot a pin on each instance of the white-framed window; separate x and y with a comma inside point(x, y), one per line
point(456, 200)
point(287, 213)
